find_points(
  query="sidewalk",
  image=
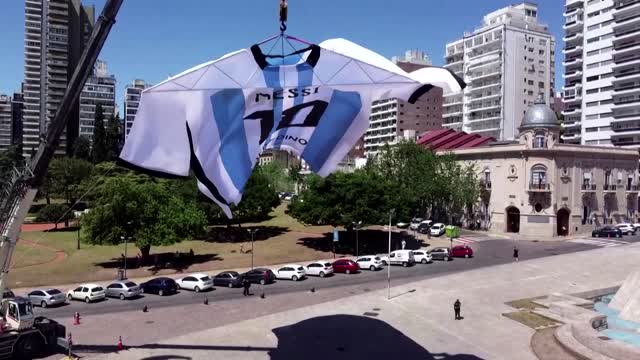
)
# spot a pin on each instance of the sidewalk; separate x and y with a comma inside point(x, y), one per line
point(417, 321)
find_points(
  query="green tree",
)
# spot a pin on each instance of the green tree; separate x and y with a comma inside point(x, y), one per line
point(150, 213)
point(55, 213)
point(65, 177)
point(113, 138)
point(277, 176)
point(10, 159)
point(259, 197)
point(82, 148)
point(99, 147)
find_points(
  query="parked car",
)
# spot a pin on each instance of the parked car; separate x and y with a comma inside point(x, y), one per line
point(422, 256)
point(161, 286)
point(260, 276)
point(345, 266)
point(415, 222)
point(87, 292)
point(437, 229)
point(440, 253)
point(425, 226)
point(228, 279)
point(398, 257)
point(123, 290)
point(8, 294)
point(196, 282)
point(292, 272)
point(46, 297)
point(402, 225)
point(321, 269)
point(636, 225)
point(626, 228)
point(607, 231)
point(462, 251)
point(370, 262)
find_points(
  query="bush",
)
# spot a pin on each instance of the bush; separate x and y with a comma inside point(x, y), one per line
point(54, 212)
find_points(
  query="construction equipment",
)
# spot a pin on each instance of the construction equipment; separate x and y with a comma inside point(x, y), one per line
point(24, 336)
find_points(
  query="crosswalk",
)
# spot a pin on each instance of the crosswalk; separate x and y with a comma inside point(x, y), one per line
point(600, 242)
point(467, 240)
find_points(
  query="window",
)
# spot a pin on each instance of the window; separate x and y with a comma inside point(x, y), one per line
point(539, 142)
point(539, 175)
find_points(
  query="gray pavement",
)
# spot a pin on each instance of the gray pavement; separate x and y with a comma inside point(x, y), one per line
point(417, 321)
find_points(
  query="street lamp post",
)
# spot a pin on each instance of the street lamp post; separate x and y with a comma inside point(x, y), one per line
point(124, 238)
point(78, 233)
point(252, 232)
point(389, 258)
point(357, 227)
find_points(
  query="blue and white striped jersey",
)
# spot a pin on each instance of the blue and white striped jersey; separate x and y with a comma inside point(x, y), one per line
point(216, 118)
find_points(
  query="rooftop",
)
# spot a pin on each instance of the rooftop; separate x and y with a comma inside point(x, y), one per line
point(448, 139)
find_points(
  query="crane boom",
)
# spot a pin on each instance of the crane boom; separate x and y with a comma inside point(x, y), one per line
point(23, 185)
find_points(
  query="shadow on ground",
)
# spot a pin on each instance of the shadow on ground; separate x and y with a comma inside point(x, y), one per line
point(162, 261)
point(320, 338)
point(224, 234)
point(369, 242)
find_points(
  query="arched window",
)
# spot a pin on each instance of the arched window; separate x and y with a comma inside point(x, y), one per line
point(539, 141)
point(539, 176)
point(487, 178)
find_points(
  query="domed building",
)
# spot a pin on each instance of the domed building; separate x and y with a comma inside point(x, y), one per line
point(540, 187)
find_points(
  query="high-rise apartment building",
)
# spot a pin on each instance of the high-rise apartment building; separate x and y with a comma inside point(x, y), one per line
point(55, 34)
point(602, 72)
point(507, 63)
point(17, 113)
point(393, 119)
point(5, 122)
point(132, 95)
point(100, 89)
point(413, 57)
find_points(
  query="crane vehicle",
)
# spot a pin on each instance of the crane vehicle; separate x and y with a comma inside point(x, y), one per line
point(22, 334)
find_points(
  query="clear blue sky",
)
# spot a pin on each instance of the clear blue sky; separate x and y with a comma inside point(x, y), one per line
point(153, 39)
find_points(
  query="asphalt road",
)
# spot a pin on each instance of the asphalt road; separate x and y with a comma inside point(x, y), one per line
point(487, 253)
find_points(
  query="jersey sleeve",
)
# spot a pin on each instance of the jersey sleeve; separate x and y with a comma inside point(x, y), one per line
point(158, 143)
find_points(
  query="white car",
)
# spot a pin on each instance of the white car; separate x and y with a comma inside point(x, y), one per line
point(422, 256)
point(319, 268)
point(402, 225)
point(87, 292)
point(636, 225)
point(437, 229)
point(626, 228)
point(398, 257)
point(196, 282)
point(415, 222)
point(370, 262)
point(293, 272)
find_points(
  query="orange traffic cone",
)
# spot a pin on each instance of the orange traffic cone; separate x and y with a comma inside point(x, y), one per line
point(119, 346)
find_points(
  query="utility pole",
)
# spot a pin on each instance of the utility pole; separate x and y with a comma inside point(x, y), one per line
point(356, 226)
point(389, 258)
point(252, 232)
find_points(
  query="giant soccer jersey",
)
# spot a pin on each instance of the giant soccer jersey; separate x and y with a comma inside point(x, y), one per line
point(216, 118)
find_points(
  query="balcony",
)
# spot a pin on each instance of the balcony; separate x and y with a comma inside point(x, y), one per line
point(572, 49)
point(576, 23)
point(572, 37)
point(485, 184)
point(572, 61)
point(576, 73)
point(632, 188)
point(539, 187)
point(588, 187)
point(608, 188)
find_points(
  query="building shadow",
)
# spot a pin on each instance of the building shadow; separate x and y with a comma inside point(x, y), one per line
point(332, 337)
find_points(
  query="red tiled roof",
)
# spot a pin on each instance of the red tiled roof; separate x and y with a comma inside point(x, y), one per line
point(447, 139)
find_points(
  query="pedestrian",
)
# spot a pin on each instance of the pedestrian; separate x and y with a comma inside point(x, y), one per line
point(404, 243)
point(456, 309)
point(246, 285)
point(515, 253)
point(191, 254)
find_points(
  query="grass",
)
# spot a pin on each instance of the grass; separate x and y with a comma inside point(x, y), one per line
point(88, 263)
point(531, 319)
point(527, 303)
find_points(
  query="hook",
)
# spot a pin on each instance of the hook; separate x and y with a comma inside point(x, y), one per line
point(283, 15)
point(283, 26)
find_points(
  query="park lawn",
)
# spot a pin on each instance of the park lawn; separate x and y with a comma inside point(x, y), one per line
point(29, 256)
point(88, 263)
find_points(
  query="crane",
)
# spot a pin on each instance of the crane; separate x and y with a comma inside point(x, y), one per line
point(23, 335)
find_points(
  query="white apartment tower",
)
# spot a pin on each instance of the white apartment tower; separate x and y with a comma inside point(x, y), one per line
point(602, 72)
point(55, 34)
point(100, 89)
point(507, 63)
point(132, 95)
point(393, 119)
point(6, 121)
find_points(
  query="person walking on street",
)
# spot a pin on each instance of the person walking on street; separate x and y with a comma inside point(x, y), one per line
point(515, 253)
point(246, 285)
point(456, 309)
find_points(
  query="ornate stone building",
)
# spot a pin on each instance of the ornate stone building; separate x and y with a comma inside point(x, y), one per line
point(538, 186)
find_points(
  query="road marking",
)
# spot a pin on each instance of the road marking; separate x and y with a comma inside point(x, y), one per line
point(600, 242)
point(470, 240)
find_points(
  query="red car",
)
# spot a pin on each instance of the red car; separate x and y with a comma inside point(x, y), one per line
point(345, 266)
point(462, 251)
